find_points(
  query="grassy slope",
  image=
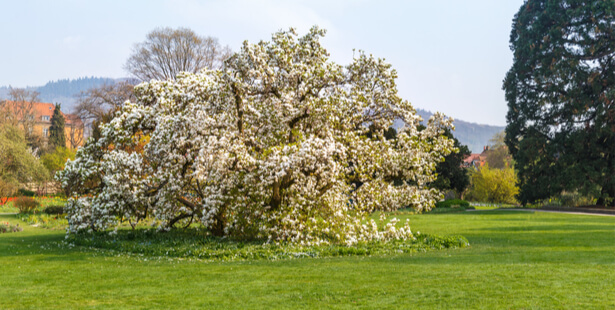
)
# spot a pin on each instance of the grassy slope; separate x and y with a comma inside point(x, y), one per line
point(517, 260)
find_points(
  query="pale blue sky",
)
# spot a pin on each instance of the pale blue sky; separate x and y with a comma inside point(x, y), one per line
point(451, 55)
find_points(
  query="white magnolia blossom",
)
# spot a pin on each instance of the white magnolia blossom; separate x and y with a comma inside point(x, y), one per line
point(280, 144)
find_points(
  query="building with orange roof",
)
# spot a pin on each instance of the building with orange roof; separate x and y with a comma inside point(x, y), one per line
point(476, 160)
point(39, 114)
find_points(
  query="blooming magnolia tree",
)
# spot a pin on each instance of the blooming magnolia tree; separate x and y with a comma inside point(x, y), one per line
point(280, 144)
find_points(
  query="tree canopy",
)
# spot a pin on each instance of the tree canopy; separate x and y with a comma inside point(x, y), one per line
point(55, 160)
point(560, 92)
point(273, 146)
point(18, 164)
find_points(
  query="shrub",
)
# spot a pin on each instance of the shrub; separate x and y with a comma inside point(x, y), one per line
point(494, 185)
point(54, 210)
point(25, 204)
point(452, 202)
point(25, 192)
point(574, 199)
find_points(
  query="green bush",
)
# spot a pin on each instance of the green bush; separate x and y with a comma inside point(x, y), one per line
point(574, 199)
point(25, 204)
point(494, 185)
point(25, 192)
point(54, 210)
point(453, 202)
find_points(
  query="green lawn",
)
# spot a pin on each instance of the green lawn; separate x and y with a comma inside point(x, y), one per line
point(518, 260)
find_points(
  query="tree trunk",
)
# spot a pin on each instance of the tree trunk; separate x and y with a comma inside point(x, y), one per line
point(217, 229)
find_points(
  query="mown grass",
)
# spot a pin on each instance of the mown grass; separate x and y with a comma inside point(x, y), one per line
point(516, 260)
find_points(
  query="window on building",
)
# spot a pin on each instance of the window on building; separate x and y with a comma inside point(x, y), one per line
point(46, 118)
point(45, 132)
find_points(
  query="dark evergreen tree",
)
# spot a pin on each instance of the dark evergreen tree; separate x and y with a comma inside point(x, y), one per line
point(57, 138)
point(561, 92)
point(451, 175)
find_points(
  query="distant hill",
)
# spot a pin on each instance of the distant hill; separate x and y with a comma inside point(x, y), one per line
point(66, 91)
point(475, 136)
point(63, 91)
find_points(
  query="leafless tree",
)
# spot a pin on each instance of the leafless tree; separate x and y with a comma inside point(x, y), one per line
point(95, 103)
point(20, 110)
point(7, 115)
point(167, 52)
point(498, 155)
point(75, 131)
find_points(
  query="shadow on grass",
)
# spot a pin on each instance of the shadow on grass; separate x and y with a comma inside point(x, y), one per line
point(193, 244)
point(552, 240)
point(582, 241)
point(581, 257)
point(36, 241)
point(19, 244)
point(553, 230)
point(498, 211)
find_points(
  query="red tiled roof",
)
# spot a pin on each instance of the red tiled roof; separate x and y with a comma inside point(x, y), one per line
point(478, 160)
point(471, 158)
